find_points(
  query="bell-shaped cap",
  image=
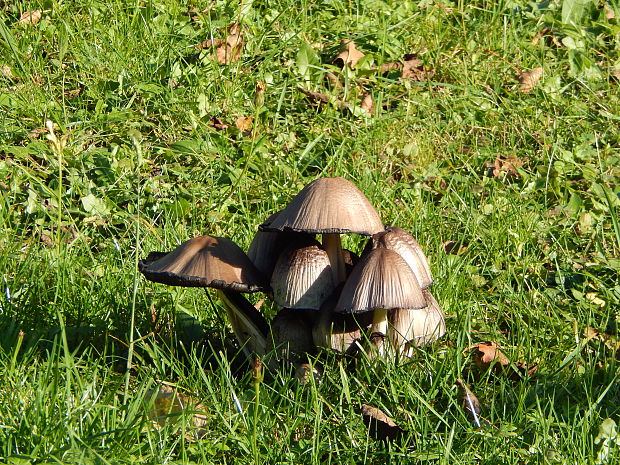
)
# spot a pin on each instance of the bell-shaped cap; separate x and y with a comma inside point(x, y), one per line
point(380, 280)
point(404, 244)
point(414, 328)
point(204, 261)
point(328, 206)
point(302, 278)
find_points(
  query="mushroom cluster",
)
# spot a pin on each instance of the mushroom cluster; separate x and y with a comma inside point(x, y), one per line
point(329, 297)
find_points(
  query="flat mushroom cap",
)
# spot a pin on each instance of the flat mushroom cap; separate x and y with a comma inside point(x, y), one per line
point(204, 261)
point(403, 243)
point(381, 280)
point(328, 206)
point(302, 278)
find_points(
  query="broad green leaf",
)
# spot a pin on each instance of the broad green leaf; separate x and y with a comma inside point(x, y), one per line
point(94, 205)
point(573, 11)
point(306, 60)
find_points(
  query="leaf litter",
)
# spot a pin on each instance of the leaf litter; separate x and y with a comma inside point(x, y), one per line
point(228, 50)
point(380, 426)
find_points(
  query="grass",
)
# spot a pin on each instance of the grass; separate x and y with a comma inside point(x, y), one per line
point(142, 162)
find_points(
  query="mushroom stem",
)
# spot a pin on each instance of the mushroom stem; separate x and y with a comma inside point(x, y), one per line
point(333, 247)
point(379, 329)
point(249, 326)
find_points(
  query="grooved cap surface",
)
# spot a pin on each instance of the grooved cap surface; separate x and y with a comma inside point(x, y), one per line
point(326, 206)
point(381, 280)
point(403, 243)
point(302, 278)
point(204, 261)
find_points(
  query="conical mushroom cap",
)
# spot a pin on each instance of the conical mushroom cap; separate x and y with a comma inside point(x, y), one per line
point(302, 278)
point(416, 327)
point(403, 243)
point(381, 280)
point(328, 206)
point(204, 261)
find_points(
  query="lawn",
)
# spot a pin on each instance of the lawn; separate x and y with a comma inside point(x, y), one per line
point(489, 130)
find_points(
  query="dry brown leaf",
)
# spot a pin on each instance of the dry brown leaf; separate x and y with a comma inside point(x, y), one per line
point(304, 372)
point(226, 50)
point(73, 93)
point(380, 426)
point(609, 12)
point(168, 406)
point(217, 123)
point(505, 166)
point(349, 54)
point(7, 73)
point(367, 103)
point(487, 354)
point(539, 36)
point(244, 123)
point(386, 67)
point(29, 17)
point(414, 70)
point(471, 404)
point(529, 79)
point(615, 72)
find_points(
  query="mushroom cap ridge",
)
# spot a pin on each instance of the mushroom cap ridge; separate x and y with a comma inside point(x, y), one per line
point(328, 206)
point(381, 280)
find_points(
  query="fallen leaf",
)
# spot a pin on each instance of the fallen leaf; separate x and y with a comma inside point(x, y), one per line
point(487, 354)
point(539, 36)
point(380, 426)
point(414, 70)
point(470, 402)
point(217, 123)
point(505, 166)
point(529, 79)
point(169, 405)
point(29, 17)
point(349, 54)
point(73, 93)
point(609, 12)
point(226, 50)
point(304, 372)
point(367, 103)
point(244, 123)
point(7, 73)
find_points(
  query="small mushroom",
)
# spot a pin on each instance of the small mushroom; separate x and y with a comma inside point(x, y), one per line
point(380, 281)
point(302, 278)
point(410, 328)
point(329, 206)
point(291, 335)
point(216, 262)
point(403, 243)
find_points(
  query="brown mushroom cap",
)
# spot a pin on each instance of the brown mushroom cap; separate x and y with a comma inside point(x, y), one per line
point(381, 280)
point(302, 278)
point(328, 206)
point(204, 261)
point(403, 243)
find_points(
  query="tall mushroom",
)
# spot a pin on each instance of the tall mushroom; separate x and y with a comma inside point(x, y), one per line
point(329, 206)
point(216, 262)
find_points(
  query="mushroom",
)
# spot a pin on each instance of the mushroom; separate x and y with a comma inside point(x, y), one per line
point(216, 262)
point(380, 281)
point(302, 278)
point(403, 243)
point(328, 206)
point(416, 327)
point(291, 335)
